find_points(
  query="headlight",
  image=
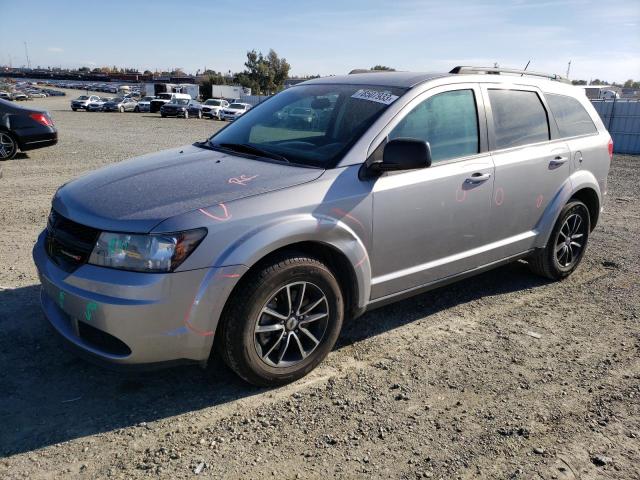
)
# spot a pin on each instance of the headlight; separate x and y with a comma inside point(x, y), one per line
point(145, 253)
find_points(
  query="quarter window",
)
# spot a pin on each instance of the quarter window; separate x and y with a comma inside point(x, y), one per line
point(448, 121)
point(519, 118)
point(570, 115)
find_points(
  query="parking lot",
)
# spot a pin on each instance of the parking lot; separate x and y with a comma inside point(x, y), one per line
point(504, 375)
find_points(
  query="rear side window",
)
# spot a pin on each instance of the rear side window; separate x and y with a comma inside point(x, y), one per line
point(448, 121)
point(570, 115)
point(519, 118)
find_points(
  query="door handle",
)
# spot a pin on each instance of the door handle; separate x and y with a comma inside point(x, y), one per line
point(478, 178)
point(557, 161)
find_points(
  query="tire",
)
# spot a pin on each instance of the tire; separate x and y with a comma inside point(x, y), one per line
point(74, 109)
point(163, 115)
point(285, 350)
point(567, 243)
point(8, 146)
point(137, 109)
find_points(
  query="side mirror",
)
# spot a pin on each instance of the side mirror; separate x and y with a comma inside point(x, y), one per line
point(404, 154)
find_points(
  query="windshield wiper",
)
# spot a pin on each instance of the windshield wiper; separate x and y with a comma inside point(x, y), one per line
point(252, 150)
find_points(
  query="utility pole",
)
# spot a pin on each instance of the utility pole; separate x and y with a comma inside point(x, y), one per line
point(568, 68)
point(26, 52)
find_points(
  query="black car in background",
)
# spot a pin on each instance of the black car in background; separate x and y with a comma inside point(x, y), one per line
point(181, 107)
point(24, 129)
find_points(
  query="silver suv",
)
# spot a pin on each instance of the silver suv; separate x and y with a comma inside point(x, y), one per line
point(260, 241)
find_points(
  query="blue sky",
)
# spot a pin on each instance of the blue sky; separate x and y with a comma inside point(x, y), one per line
point(602, 39)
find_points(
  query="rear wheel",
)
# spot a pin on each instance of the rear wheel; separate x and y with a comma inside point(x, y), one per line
point(566, 245)
point(74, 109)
point(8, 146)
point(282, 321)
point(137, 109)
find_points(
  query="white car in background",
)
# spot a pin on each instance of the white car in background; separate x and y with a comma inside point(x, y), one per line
point(213, 107)
point(234, 111)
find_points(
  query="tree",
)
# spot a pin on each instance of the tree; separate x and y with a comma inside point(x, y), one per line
point(383, 68)
point(578, 82)
point(264, 74)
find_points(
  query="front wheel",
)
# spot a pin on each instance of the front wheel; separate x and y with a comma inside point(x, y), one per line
point(8, 146)
point(566, 245)
point(137, 109)
point(282, 321)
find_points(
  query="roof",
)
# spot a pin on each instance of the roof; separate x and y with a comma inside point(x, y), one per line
point(382, 79)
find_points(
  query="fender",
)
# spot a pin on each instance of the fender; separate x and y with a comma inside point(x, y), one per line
point(578, 180)
point(320, 228)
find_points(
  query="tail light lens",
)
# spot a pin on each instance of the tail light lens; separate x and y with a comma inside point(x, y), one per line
point(42, 118)
point(610, 149)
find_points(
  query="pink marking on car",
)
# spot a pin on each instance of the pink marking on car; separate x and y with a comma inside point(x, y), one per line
point(344, 214)
point(539, 201)
point(241, 180)
point(191, 327)
point(499, 196)
point(461, 198)
point(226, 216)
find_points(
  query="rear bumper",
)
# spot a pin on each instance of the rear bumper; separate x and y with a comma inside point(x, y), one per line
point(134, 319)
point(38, 137)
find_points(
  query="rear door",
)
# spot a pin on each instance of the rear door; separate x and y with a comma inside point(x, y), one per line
point(531, 164)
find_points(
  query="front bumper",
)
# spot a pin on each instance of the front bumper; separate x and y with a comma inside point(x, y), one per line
point(132, 318)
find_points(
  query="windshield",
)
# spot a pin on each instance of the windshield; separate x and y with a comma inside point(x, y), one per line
point(83, 97)
point(146, 99)
point(179, 101)
point(215, 103)
point(117, 99)
point(335, 118)
point(237, 106)
point(165, 96)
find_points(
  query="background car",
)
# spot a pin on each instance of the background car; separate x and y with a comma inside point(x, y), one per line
point(120, 104)
point(98, 105)
point(181, 107)
point(234, 111)
point(19, 96)
point(24, 129)
point(300, 117)
point(212, 107)
point(144, 105)
point(82, 101)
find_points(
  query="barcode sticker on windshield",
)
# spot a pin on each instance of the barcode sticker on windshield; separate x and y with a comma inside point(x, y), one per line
point(375, 96)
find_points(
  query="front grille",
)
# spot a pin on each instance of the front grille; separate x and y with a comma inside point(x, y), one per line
point(69, 244)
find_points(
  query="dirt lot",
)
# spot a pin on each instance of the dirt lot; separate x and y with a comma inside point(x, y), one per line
point(501, 376)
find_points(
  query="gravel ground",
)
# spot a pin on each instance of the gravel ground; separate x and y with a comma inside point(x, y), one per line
point(500, 376)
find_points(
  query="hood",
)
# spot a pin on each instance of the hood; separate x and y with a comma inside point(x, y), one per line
point(135, 195)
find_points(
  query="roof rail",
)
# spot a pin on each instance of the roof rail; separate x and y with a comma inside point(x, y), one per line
point(499, 70)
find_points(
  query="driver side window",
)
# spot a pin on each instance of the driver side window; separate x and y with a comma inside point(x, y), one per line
point(448, 121)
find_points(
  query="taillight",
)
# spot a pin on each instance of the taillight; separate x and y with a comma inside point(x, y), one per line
point(42, 118)
point(610, 149)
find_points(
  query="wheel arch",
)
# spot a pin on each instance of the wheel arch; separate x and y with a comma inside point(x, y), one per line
point(583, 186)
point(589, 197)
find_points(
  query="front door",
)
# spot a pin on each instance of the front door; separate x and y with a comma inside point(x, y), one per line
point(431, 223)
